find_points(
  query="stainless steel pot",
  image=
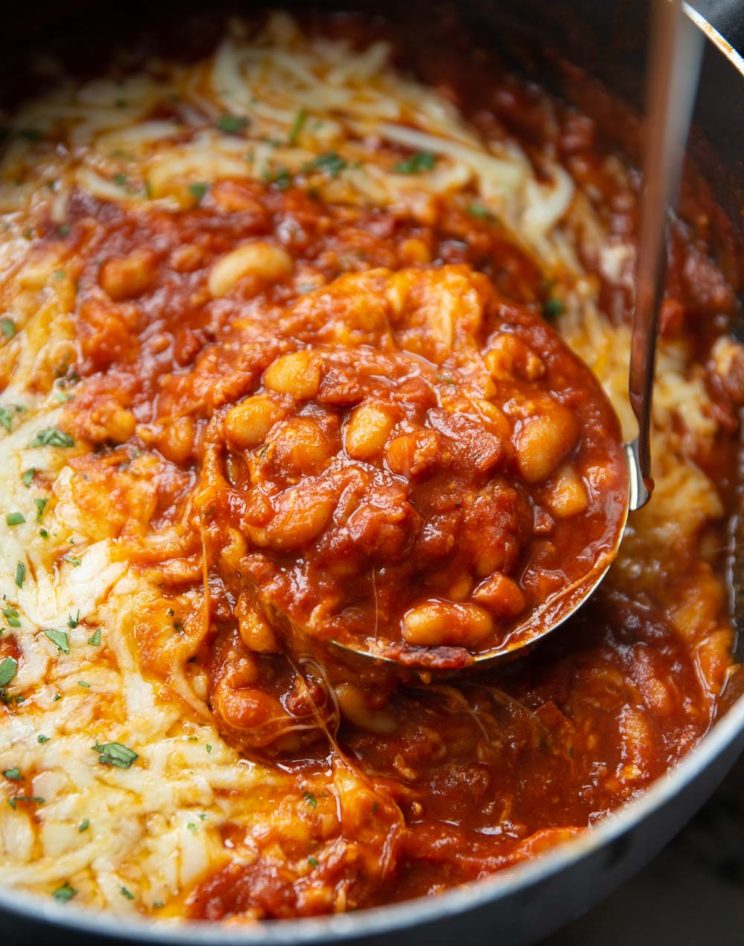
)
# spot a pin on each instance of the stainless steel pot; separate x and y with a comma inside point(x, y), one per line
point(522, 904)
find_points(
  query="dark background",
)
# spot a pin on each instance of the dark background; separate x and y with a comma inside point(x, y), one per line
point(691, 895)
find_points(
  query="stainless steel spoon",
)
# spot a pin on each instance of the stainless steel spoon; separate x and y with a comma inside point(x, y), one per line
point(675, 53)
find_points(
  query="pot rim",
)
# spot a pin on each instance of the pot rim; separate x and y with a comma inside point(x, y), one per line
point(378, 921)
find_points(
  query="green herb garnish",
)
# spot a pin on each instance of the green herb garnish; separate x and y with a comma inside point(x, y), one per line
point(480, 212)
point(198, 191)
point(64, 893)
point(28, 476)
point(552, 308)
point(13, 774)
point(297, 125)
point(7, 327)
point(84, 825)
point(20, 575)
point(59, 638)
point(40, 504)
point(310, 799)
point(52, 437)
point(8, 670)
point(15, 518)
point(11, 616)
point(114, 753)
point(420, 161)
point(95, 639)
point(331, 162)
point(232, 124)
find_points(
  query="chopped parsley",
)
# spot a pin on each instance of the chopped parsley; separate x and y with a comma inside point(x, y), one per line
point(313, 861)
point(11, 616)
point(15, 518)
point(64, 893)
point(95, 639)
point(297, 125)
point(126, 893)
point(120, 179)
point(6, 418)
point(84, 683)
point(20, 575)
point(192, 827)
point(84, 825)
point(28, 476)
point(281, 178)
point(52, 437)
point(232, 124)
point(114, 753)
point(310, 799)
point(8, 670)
point(331, 162)
point(480, 212)
point(552, 308)
point(41, 504)
point(75, 562)
point(41, 738)
point(72, 622)
point(59, 639)
point(198, 191)
point(13, 774)
point(25, 800)
point(420, 161)
point(209, 747)
point(7, 327)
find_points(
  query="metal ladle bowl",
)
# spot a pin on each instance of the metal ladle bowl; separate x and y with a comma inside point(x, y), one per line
point(675, 55)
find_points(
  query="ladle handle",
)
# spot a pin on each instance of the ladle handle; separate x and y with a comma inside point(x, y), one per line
point(675, 53)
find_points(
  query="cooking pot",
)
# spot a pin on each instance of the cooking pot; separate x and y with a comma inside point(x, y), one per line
point(524, 903)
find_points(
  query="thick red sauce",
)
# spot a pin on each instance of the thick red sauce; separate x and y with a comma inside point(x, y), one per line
point(463, 777)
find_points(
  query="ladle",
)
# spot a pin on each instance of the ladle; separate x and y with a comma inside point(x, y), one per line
point(675, 53)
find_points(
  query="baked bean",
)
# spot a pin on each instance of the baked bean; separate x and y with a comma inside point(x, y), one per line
point(177, 440)
point(568, 496)
point(129, 276)
point(262, 260)
point(509, 357)
point(495, 418)
point(297, 373)
point(255, 632)
point(248, 423)
point(502, 596)
point(437, 623)
point(544, 441)
point(367, 430)
point(300, 515)
point(302, 446)
point(355, 707)
point(414, 454)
